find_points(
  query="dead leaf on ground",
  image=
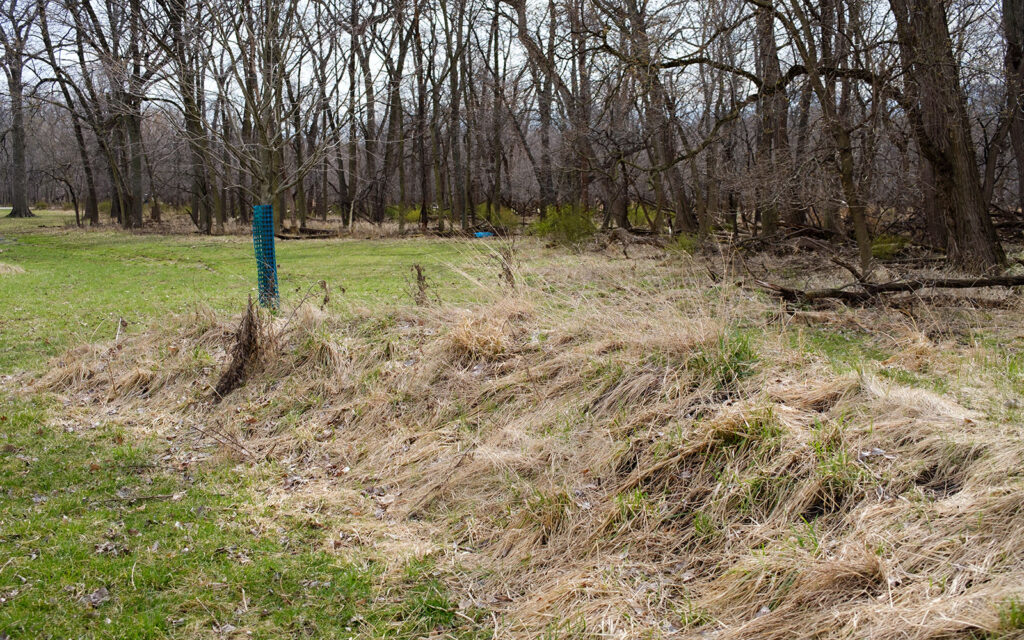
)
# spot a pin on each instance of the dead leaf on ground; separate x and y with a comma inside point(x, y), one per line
point(96, 598)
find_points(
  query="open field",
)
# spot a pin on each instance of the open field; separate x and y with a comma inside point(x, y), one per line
point(612, 448)
point(75, 286)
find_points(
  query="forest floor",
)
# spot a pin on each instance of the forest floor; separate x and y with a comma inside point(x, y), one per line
point(538, 444)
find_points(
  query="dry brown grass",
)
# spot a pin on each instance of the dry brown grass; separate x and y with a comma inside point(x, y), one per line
point(617, 449)
point(10, 269)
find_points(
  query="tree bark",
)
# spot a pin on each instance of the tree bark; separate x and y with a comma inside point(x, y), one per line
point(19, 169)
point(1013, 29)
point(773, 135)
point(937, 108)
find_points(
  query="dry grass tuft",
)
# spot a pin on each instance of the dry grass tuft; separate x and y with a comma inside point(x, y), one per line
point(245, 353)
point(199, 320)
point(310, 330)
point(633, 452)
point(71, 370)
point(479, 337)
point(138, 381)
point(10, 269)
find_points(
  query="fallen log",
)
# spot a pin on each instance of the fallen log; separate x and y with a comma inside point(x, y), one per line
point(865, 291)
point(628, 239)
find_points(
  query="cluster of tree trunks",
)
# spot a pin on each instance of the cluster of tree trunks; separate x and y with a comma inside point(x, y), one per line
point(846, 115)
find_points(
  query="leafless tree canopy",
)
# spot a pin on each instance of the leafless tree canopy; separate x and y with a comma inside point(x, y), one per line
point(854, 118)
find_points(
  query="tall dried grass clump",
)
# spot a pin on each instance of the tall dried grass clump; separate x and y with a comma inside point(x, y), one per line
point(10, 269)
point(199, 320)
point(72, 369)
point(619, 449)
point(479, 337)
point(137, 381)
point(310, 330)
point(245, 352)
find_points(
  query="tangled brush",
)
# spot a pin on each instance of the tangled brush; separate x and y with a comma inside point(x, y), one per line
point(244, 354)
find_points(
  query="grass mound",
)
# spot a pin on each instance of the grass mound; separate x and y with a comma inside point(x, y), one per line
point(10, 269)
point(634, 452)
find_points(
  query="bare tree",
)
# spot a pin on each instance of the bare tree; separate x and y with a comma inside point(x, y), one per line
point(1013, 30)
point(17, 19)
point(937, 109)
point(757, 116)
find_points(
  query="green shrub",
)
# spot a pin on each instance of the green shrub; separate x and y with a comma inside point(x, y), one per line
point(566, 224)
point(411, 214)
point(686, 242)
point(504, 217)
point(887, 246)
point(444, 214)
point(641, 215)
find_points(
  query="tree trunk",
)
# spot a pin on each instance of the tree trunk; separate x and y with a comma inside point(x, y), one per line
point(370, 139)
point(933, 207)
point(773, 137)
point(132, 101)
point(154, 209)
point(133, 219)
point(353, 145)
point(19, 170)
point(92, 209)
point(938, 111)
point(421, 125)
point(453, 45)
point(1013, 28)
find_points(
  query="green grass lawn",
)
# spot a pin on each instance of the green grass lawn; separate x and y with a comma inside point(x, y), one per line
point(99, 538)
point(78, 283)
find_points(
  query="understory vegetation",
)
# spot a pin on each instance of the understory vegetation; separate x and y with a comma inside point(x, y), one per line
point(594, 447)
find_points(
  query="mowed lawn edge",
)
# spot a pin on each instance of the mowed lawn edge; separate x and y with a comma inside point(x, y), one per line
point(76, 286)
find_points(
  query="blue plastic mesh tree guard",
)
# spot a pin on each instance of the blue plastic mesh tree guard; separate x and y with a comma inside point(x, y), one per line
point(266, 258)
